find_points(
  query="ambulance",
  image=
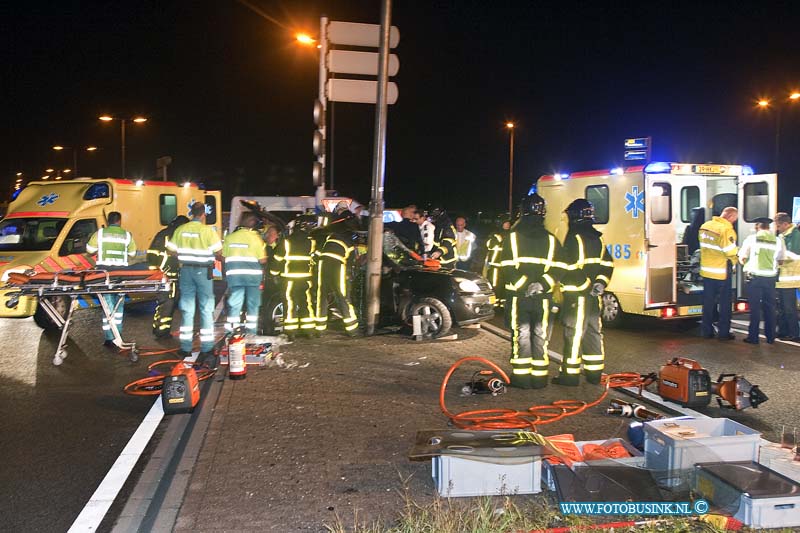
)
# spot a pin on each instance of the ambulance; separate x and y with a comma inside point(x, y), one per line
point(643, 213)
point(49, 223)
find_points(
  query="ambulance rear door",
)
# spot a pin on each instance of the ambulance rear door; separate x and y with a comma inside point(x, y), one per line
point(757, 197)
point(660, 240)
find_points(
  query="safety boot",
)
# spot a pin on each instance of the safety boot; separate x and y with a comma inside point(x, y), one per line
point(592, 377)
point(521, 381)
point(538, 382)
point(567, 380)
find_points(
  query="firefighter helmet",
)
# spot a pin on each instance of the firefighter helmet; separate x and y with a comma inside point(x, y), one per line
point(580, 210)
point(533, 204)
point(305, 223)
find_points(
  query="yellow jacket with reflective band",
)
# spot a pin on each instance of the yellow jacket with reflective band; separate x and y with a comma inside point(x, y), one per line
point(464, 242)
point(789, 270)
point(493, 248)
point(195, 243)
point(243, 250)
point(113, 246)
point(761, 253)
point(293, 256)
point(336, 246)
point(585, 260)
point(529, 256)
point(444, 241)
point(717, 247)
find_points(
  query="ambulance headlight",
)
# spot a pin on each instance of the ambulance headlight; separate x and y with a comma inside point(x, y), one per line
point(16, 270)
point(467, 285)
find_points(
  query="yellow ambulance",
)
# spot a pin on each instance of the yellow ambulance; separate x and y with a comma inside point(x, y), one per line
point(49, 223)
point(644, 213)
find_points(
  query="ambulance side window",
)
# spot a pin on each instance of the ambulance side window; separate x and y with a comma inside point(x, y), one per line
point(211, 210)
point(660, 204)
point(97, 190)
point(78, 236)
point(690, 198)
point(597, 195)
point(167, 208)
point(756, 201)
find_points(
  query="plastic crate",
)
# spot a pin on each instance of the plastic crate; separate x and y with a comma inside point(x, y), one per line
point(673, 447)
point(459, 476)
point(781, 460)
point(775, 503)
point(636, 459)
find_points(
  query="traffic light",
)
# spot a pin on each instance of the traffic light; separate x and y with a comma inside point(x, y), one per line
point(318, 173)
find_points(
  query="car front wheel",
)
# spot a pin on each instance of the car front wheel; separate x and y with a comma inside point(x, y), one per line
point(435, 315)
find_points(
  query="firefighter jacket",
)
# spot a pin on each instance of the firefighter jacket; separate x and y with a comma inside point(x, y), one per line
point(157, 256)
point(717, 247)
point(585, 260)
point(113, 246)
point(789, 271)
point(760, 254)
point(529, 256)
point(338, 246)
point(244, 251)
point(195, 244)
point(493, 248)
point(293, 256)
point(444, 241)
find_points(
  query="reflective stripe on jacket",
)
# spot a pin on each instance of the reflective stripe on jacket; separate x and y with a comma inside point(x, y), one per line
point(113, 246)
point(293, 256)
point(761, 253)
point(529, 256)
point(585, 260)
point(789, 270)
point(717, 246)
point(195, 243)
point(244, 249)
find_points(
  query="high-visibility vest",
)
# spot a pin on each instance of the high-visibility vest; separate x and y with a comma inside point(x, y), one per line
point(113, 246)
point(464, 240)
point(789, 270)
point(762, 248)
point(717, 246)
point(195, 244)
point(244, 249)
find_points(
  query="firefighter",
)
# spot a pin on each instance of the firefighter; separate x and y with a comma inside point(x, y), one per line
point(492, 267)
point(195, 244)
point(245, 254)
point(333, 260)
point(788, 279)
point(587, 271)
point(159, 259)
point(444, 239)
point(760, 253)
point(530, 273)
point(293, 262)
point(113, 246)
point(717, 252)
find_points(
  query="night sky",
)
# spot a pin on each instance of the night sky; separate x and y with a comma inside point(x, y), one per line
point(229, 94)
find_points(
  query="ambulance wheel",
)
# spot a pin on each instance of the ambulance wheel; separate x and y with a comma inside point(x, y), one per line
point(434, 312)
point(611, 312)
point(43, 320)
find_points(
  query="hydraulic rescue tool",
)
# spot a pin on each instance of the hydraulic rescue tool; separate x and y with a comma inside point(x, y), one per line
point(484, 382)
point(181, 390)
point(631, 410)
point(686, 382)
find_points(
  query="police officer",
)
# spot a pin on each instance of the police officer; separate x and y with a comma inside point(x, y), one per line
point(531, 273)
point(788, 278)
point(196, 245)
point(113, 246)
point(587, 272)
point(159, 259)
point(760, 253)
point(245, 254)
point(333, 260)
point(444, 239)
point(293, 262)
point(717, 252)
point(493, 260)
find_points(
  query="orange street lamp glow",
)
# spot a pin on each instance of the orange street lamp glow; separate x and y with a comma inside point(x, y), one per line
point(91, 148)
point(58, 147)
point(304, 38)
point(106, 118)
point(49, 170)
point(510, 125)
point(139, 120)
point(67, 170)
point(19, 173)
point(763, 103)
point(794, 96)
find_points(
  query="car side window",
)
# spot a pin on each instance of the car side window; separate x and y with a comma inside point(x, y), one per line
point(78, 236)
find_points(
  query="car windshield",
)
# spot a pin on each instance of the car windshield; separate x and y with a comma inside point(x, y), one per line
point(395, 252)
point(30, 234)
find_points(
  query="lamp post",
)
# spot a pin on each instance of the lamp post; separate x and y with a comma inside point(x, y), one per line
point(59, 148)
point(765, 103)
point(510, 128)
point(123, 121)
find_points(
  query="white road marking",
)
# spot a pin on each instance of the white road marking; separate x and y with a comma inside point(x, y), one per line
point(760, 335)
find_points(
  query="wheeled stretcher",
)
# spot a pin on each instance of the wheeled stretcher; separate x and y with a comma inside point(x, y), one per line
point(87, 283)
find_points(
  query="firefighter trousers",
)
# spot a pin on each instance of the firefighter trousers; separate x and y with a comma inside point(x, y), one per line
point(165, 308)
point(332, 285)
point(493, 274)
point(299, 310)
point(583, 339)
point(529, 323)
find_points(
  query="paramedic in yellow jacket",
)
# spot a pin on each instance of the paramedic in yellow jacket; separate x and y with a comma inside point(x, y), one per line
point(718, 252)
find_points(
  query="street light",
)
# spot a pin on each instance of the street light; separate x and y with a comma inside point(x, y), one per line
point(123, 121)
point(766, 103)
point(510, 128)
point(304, 38)
point(59, 148)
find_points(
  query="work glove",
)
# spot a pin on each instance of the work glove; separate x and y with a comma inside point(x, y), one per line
point(534, 288)
point(598, 289)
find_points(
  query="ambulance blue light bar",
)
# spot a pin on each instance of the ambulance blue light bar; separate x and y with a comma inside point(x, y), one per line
point(658, 167)
point(747, 170)
point(617, 171)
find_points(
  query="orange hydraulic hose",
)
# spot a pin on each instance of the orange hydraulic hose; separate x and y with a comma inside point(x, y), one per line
point(534, 415)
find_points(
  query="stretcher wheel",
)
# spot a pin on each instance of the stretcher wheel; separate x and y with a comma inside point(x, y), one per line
point(61, 354)
point(134, 355)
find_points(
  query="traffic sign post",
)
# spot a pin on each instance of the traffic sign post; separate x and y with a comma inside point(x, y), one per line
point(638, 149)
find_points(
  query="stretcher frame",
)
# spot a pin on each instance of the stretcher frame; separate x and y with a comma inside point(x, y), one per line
point(83, 287)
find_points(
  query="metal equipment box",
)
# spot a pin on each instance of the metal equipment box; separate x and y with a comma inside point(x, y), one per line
point(486, 476)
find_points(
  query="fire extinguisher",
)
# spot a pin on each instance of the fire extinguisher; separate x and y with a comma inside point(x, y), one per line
point(237, 363)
